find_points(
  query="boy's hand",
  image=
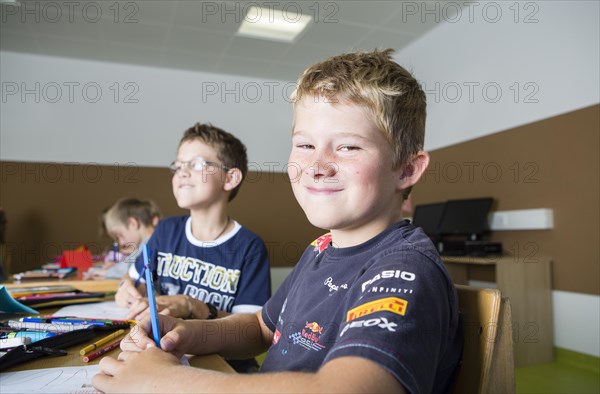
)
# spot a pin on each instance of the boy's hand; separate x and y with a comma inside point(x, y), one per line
point(127, 294)
point(172, 305)
point(134, 371)
point(176, 336)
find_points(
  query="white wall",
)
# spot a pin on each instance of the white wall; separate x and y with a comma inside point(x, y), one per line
point(544, 65)
point(65, 110)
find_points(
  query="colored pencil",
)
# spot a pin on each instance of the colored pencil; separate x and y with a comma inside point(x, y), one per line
point(101, 342)
point(101, 351)
point(151, 297)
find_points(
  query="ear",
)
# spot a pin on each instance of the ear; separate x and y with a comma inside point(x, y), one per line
point(412, 172)
point(233, 179)
point(131, 221)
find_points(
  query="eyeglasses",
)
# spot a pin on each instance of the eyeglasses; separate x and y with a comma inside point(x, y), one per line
point(197, 164)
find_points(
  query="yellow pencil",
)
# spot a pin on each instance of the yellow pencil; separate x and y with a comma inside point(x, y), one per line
point(101, 342)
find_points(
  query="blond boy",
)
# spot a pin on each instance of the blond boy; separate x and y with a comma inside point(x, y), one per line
point(369, 307)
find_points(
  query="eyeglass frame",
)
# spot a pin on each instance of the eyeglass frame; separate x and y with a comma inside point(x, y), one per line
point(188, 165)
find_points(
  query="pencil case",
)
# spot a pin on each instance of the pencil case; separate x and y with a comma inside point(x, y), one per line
point(52, 346)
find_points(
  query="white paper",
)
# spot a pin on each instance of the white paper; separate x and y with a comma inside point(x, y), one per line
point(101, 310)
point(50, 380)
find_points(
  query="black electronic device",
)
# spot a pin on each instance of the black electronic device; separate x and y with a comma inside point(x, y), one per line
point(466, 217)
point(428, 217)
point(469, 248)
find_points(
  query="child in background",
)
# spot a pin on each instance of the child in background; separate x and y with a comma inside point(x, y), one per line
point(129, 222)
point(370, 306)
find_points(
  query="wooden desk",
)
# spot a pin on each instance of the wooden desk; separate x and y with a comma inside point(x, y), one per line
point(83, 285)
point(73, 358)
point(528, 286)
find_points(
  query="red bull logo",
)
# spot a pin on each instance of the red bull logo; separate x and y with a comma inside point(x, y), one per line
point(321, 243)
point(314, 327)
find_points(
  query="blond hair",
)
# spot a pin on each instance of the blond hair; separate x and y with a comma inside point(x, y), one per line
point(392, 96)
point(146, 212)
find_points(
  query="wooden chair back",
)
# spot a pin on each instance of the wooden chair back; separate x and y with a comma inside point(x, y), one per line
point(487, 364)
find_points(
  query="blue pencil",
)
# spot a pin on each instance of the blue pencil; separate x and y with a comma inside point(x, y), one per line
point(151, 299)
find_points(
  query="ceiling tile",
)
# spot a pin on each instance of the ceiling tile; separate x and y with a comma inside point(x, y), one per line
point(195, 35)
point(194, 40)
point(369, 13)
point(80, 29)
point(416, 20)
point(333, 35)
point(70, 47)
point(139, 33)
point(253, 48)
point(156, 11)
point(19, 41)
point(224, 16)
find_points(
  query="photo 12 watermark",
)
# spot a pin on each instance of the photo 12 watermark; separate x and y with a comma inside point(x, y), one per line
point(247, 92)
point(70, 11)
point(269, 11)
point(36, 173)
point(469, 11)
point(482, 92)
point(52, 92)
point(486, 172)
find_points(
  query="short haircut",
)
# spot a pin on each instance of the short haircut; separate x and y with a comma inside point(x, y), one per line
point(393, 97)
point(230, 150)
point(144, 211)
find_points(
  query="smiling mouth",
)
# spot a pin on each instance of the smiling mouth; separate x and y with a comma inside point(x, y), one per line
point(322, 192)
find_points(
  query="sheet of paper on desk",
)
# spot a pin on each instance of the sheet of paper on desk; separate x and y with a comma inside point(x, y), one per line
point(50, 380)
point(104, 310)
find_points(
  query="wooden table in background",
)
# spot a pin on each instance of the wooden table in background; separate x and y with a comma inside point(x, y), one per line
point(528, 285)
point(83, 285)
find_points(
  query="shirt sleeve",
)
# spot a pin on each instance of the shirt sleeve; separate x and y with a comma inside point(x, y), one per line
point(254, 288)
point(400, 316)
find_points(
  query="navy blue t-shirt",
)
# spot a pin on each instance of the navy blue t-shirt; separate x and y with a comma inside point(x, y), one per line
point(389, 300)
point(231, 272)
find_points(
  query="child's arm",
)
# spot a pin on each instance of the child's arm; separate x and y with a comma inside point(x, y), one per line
point(127, 295)
point(241, 335)
point(205, 336)
point(154, 371)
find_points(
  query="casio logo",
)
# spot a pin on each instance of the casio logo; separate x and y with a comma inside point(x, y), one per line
point(408, 276)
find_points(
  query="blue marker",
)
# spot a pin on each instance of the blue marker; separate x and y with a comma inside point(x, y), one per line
point(115, 251)
point(151, 299)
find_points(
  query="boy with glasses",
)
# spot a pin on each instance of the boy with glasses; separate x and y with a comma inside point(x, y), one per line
point(206, 264)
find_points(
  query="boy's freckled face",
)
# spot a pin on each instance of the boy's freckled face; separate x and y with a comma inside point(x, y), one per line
point(340, 166)
point(197, 189)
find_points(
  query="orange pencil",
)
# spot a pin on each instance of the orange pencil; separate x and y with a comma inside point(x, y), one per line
point(101, 351)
